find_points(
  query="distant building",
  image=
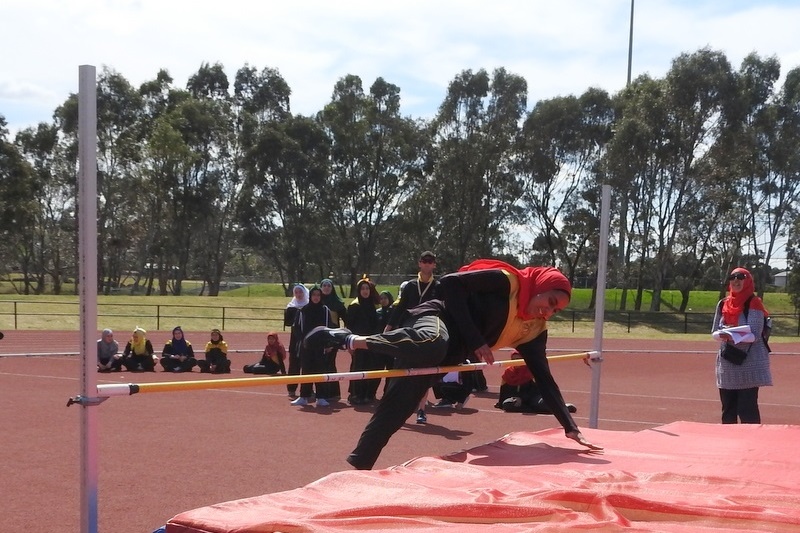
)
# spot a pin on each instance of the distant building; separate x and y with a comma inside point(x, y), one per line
point(780, 278)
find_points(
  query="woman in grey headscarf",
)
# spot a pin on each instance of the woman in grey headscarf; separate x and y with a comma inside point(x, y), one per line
point(108, 357)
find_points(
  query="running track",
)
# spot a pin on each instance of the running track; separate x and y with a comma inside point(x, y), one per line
point(164, 453)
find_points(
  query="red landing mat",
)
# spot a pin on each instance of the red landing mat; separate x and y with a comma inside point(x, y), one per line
point(682, 477)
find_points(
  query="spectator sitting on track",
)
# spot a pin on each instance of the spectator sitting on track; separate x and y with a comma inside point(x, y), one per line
point(216, 360)
point(453, 390)
point(520, 394)
point(272, 360)
point(178, 355)
point(108, 356)
point(139, 354)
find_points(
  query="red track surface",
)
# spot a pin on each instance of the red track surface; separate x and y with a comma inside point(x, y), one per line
point(164, 453)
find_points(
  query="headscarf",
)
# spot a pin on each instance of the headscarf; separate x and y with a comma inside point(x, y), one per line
point(373, 299)
point(276, 351)
point(733, 304)
point(107, 331)
point(388, 296)
point(178, 346)
point(218, 332)
point(139, 347)
point(321, 299)
point(329, 299)
point(299, 303)
point(517, 375)
point(532, 281)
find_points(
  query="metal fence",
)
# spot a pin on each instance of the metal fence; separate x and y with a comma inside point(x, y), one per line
point(15, 314)
point(65, 315)
point(787, 325)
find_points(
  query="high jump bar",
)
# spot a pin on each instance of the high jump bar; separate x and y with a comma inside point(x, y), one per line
point(123, 389)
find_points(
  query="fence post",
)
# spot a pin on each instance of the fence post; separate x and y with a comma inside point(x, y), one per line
point(685, 322)
point(158, 317)
point(629, 321)
point(16, 324)
point(223, 318)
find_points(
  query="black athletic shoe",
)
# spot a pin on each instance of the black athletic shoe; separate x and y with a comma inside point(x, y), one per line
point(322, 337)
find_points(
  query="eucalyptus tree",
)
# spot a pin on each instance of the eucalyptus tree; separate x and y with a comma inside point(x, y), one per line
point(53, 233)
point(18, 211)
point(560, 149)
point(793, 263)
point(671, 125)
point(282, 208)
point(695, 241)
point(634, 153)
point(285, 167)
point(474, 188)
point(771, 165)
point(375, 159)
point(727, 209)
point(165, 171)
point(699, 89)
point(169, 164)
point(119, 110)
point(208, 129)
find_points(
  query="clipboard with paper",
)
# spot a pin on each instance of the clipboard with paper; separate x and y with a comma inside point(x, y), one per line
point(737, 333)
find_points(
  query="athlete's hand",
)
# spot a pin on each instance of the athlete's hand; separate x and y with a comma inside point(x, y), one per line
point(580, 439)
point(484, 353)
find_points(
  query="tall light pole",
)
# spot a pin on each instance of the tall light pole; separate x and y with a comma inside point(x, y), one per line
point(602, 268)
point(630, 47)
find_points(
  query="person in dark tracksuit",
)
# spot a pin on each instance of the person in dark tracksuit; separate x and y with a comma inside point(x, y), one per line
point(331, 390)
point(216, 361)
point(362, 319)
point(384, 311)
point(487, 305)
point(299, 300)
point(416, 291)
point(178, 354)
point(139, 353)
point(313, 360)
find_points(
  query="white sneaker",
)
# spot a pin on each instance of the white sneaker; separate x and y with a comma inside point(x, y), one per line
point(322, 402)
point(300, 401)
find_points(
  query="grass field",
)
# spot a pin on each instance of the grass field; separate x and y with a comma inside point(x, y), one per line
point(260, 307)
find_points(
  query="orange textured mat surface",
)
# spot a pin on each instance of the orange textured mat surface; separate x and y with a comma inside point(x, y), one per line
point(680, 477)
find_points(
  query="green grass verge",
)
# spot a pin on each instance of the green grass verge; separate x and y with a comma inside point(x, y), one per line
point(259, 307)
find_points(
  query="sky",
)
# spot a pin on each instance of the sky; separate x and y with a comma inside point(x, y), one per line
point(560, 47)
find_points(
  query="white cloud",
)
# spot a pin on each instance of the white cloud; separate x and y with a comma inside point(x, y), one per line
point(558, 47)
